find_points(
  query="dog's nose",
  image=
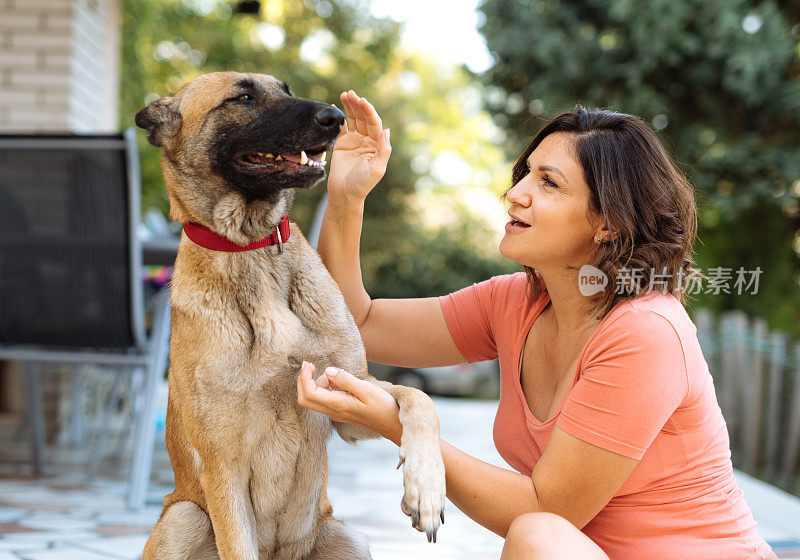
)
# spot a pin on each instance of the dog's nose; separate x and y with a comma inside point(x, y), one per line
point(329, 117)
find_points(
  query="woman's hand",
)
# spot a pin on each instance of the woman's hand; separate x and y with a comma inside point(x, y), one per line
point(345, 398)
point(361, 152)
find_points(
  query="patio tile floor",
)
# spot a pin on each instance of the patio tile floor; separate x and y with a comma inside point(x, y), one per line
point(63, 516)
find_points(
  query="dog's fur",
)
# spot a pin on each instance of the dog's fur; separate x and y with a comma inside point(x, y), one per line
point(250, 463)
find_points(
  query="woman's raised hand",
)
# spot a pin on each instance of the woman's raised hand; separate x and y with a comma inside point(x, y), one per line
point(361, 152)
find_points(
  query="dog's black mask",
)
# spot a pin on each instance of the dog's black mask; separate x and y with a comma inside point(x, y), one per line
point(280, 145)
point(260, 139)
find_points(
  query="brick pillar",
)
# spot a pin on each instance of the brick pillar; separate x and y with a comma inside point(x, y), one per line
point(59, 65)
point(59, 72)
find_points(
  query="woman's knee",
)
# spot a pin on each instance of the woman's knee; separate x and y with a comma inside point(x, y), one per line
point(534, 534)
point(539, 523)
point(546, 535)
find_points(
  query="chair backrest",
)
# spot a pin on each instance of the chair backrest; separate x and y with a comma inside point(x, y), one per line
point(70, 261)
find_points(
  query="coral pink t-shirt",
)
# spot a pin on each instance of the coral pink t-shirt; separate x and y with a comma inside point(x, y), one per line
point(641, 389)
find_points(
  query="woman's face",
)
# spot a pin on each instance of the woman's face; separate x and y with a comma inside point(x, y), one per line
point(550, 218)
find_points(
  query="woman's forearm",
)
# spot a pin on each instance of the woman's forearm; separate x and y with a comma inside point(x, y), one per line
point(489, 495)
point(339, 246)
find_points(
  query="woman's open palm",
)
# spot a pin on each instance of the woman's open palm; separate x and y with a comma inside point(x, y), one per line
point(361, 151)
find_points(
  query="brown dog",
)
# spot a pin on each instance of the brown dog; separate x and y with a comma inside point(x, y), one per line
point(250, 464)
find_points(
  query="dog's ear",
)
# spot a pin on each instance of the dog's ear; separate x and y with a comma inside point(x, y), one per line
point(160, 119)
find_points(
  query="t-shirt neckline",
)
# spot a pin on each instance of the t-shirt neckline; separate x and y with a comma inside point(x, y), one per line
point(529, 417)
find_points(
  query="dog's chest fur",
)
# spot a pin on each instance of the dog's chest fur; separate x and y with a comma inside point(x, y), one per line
point(245, 303)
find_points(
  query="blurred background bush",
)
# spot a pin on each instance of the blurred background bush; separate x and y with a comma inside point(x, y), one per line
point(719, 80)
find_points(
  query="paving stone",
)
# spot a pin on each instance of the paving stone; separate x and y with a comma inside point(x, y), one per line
point(10, 528)
point(67, 517)
point(10, 514)
point(148, 517)
point(42, 538)
point(127, 547)
point(10, 547)
point(121, 530)
point(58, 523)
point(67, 553)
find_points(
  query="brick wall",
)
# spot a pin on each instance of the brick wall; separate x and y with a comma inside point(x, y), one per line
point(59, 72)
point(59, 65)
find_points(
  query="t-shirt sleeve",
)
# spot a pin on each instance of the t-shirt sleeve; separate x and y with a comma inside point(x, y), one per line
point(467, 313)
point(635, 377)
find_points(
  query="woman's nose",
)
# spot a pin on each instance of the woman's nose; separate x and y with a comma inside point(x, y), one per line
point(519, 195)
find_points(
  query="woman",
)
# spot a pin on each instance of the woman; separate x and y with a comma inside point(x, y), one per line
point(607, 410)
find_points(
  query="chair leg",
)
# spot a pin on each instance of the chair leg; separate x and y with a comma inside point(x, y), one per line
point(25, 424)
point(144, 438)
point(33, 388)
point(100, 442)
point(133, 406)
point(78, 400)
point(146, 425)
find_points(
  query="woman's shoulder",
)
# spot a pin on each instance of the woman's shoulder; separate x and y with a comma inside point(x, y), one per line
point(502, 286)
point(649, 321)
point(511, 291)
point(503, 300)
point(657, 308)
point(515, 282)
point(491, 295)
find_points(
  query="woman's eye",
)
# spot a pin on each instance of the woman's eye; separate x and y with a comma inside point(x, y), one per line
point(549, 182)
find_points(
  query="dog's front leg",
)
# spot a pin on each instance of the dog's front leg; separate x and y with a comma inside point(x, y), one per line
point(230, 509)
point(421, 457)
point(352, 433)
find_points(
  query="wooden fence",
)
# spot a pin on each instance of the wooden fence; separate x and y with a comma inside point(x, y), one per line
point(757, 377)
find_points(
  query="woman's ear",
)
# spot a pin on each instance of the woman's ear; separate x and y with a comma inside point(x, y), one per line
point(604, 234)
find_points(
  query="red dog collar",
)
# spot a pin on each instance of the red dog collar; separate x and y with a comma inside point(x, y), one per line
point(216, 242)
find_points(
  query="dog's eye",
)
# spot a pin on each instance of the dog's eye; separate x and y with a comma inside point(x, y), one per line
point(245, 97)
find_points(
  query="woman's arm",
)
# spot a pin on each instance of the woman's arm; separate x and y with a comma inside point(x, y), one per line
point(573, 479)
point(407, 332)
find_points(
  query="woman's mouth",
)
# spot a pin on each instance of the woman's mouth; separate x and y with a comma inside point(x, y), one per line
point(516, 225)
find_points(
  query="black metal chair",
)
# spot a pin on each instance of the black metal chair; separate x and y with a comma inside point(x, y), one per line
point(70, 272)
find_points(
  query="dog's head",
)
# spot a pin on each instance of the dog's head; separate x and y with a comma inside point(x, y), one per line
point(228, 132)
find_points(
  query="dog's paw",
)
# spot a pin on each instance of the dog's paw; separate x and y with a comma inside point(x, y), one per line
point(424, 482)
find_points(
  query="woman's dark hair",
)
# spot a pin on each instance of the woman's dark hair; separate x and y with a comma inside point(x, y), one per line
point(637, 189)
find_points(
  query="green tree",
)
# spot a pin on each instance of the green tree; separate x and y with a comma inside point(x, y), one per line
point(322, 48)
point(720, 82)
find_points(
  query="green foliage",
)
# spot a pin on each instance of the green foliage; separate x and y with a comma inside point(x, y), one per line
point(432, 261)
point(167, 43)
point(322, 48)
point(719, 80)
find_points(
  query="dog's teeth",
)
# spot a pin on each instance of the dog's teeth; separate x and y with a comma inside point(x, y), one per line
point(269, 155)
point(303, 158)
point(324, 155)
point(278, 158)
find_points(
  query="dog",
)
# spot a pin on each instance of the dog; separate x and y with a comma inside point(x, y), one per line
point(250, 463)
